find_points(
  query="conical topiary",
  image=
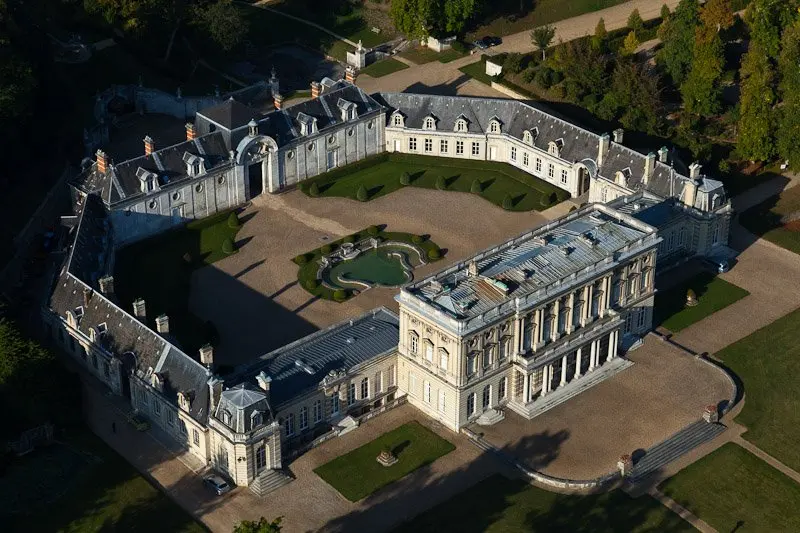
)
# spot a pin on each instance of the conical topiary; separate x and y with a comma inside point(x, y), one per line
point(361, 194)
point(339, 295)
point(313, 191)
point(405, 179)
point(508, 203)
point(441, 183)
point(228, 246)
point(476, 187)
point(233, 220)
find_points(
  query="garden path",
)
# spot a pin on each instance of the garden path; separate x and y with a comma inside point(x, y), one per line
point(318, 223)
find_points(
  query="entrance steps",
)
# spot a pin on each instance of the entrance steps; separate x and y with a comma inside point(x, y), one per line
point(674, 447)
point(571, 389)
point(268, 481)
point(489, 417)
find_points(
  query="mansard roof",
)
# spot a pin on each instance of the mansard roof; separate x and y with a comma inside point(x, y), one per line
point(230, 114)
point(121, 183)
point(241, 401)
point(300, 366)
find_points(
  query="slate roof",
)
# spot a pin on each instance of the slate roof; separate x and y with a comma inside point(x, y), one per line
point(183, 374)
point(528, 263)
point(300, 366)
point(230, 114)
point(648, 208)
point(121, 183)
point(241, 401)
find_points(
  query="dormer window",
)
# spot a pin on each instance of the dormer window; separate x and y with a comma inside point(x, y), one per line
point(347, 109)
point(397, 120)
point(102, 329)
point(621, 177)
point(494, 126)
point(461, 125)
point(184, 401)
point(308, 124)
point(78, 312)
point(429, 124)
point(195, 165)
point(256, 419)
point(554, 147)
point(226, 417)
point(148, 181)
point(156, 382)
point(527, 137)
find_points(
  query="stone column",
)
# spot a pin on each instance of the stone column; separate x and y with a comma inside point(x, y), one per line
point(554, 333)
point(519, 334)
point(571, 312)
point(578, 363)
point(563, 371)
point(612, 345)
point(609, 288)
point(589, 294)
point(536, 338)
point(593, 356)
point(526, 390)
point(546, 378)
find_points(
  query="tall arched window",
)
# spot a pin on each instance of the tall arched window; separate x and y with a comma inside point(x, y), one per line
point(365, 388)
point(487, 397)
point(261, 457)
point(430, 123)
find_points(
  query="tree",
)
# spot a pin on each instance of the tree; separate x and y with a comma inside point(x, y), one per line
point(701, 91)
point(228, 246)
point(754, 140)
point(508, 202)
point(412, 17)
point(130, 15)
point(600, 34)
point(584, 69)
point(635, 21)
point(262, 526)
point(476, 187)
point(457, 13)
point(787, 135)
point(361, 193)
point(313, 190)
point(630, 44)
point(766, 20)
point(233, 220)
point(678, 35)
point(405, 179)
point(665, 13)
point(542, 37)
point(441, 183)
point(634, 98)
point(717, 14)
point(222, 20)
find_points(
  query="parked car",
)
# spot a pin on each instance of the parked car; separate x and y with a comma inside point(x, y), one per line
point(138, 421)
point(718, 265)
point(480, 45)
point(487, 42)
point(217, 484)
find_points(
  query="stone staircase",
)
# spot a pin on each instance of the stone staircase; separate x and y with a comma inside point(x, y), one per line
point(675, 446)
point(489, 417)
point(269, 480)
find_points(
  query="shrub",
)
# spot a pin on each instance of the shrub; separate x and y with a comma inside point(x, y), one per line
point(313, 190)
point(340, 295)
point(558, 92)
point(529, 75)
point(725, 166)
point(373, 231)
point(405, 179)
point(228, 246)
point(233, 220)
point(417, 239)
point(513, 63)
point(312, 284)
point(361, 194)
point(459, 47)
point(349, 239)
point(326, 248)
point(508, 203)
point(441, 183)
point(543, 77)
point(476, 187)
point(301, 259)
point(434, 254)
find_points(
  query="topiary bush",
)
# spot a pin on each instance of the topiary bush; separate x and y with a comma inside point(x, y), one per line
point(405, 179)
point(373, 231)
point(340, 295)
point(476, 187)
point(441, 183)
point(233, 220)
point(312, 284)
point(301, 259)
point(361, 194)
point(434, 254)
point(228, 246)
point(508, 203)
point(313, 190)
point(417, 239)
point(326, 248)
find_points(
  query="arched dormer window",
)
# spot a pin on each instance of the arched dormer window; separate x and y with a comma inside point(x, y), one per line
point(256, 419)
point(461, 125)
point(621, 177)
point(226, 417)
point(527, 137)
point(92, 335)
point(398, 120)
point(429, 123)
point(494, 126)
point(554, 147)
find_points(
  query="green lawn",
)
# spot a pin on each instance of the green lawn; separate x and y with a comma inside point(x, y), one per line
point(477, 71)
point(765, 220)
point(156, 269)
point(102, 494)
point(357, 474)
point(733, 490)
point(768, 363)
point(380, 175)
point(501, 505)
point(384, 67)
point(422, 54)
point(713, 294)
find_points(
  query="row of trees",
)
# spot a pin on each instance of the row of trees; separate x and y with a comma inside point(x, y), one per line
point(420, 18)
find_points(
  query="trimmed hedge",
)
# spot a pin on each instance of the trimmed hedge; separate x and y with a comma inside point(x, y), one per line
point(233, 220)
point(228, 246)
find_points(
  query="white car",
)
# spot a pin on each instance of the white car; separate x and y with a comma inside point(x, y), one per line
point(217, 484)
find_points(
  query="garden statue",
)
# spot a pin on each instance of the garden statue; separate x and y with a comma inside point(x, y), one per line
point(691, 298)
point(386, 457)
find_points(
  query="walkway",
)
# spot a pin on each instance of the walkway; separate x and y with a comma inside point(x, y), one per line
point(681, 511)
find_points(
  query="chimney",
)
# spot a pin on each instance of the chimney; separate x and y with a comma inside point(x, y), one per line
point(191, 133)
point(350, 74)
point(689, 192)
point(618, 135)
point(649, 167)
point(162, 324)
point(663, 154)
point(278, 100)
point(102, 162)
point(263, 381)
point(602, 150)
point(87, 296)
point(207, 355)
point(149, 145)
point(694, 170)
point(214, 393)
point(472, 269)
point(139, 309)
point(316, 88)
point(106, 285)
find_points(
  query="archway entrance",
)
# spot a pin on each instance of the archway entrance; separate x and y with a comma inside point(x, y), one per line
point(583, 181)
point(255, 175)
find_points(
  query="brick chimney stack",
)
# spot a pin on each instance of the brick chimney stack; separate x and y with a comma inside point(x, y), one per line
point(350, 74)
point(278, 99)
point(162, 324)
point(191, 133)
point(139, 309)
point(102, 162)
point(316, 88)
point(149, 145)
point(106, 285)
point(207, 355)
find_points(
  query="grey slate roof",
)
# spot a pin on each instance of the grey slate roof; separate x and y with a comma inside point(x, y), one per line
point(121, 183)
point(183, 374)
point(240, 402)
point(300, 366)
point(648, 208)
point(230, 114)
point(520, 266)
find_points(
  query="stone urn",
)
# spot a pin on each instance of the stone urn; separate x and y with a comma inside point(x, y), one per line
point(691, 298)
point(386, 457)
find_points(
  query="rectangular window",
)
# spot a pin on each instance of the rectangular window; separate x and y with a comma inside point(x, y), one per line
point(525, 158)
point(442, 401)
point(335, 404)
point(501, 389)
point(364, 388)
point(538, 165)
point(414, 343)
point(429, 351)
point(157, 407)
point(645, 281)
point(513, 153)
point(106, 369)
point(443, 146)
point(378, 383)
point(428, 145)
point(487, 357)
point(551, 170)
point(472, 364)
point(351, 394)
point(443, 357)
point(471, 404)
point(288, 425)
point(564, 176)
point(303, 418)
point(317, 411)
point(476, 148)
point(170, 418)
point(459, 147)
point(640, 318)
point(412, 144)
point(196, 437)
point(182, 426)
point(390, 374)
point(428, 391)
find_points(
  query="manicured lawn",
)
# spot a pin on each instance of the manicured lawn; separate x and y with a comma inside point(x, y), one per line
point(733, 490)
point(422, 54)
point(380, 175)
point(357, 474)
point(309, 262)
point(477, 71)
point(104, 494)
point(157, 270)
point(501, 505)
point(768, 363)
point(713, 294)
point(384, 67)
point(765, 220)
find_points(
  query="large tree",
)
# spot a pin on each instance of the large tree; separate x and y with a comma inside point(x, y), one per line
point(542, 37)
point(634, 98)
point(677, 34)
point(767, 19)
point(129, 15)
point(584, 69)
point(717, 14)
point(420, 18)
point(756, 106)
point(787, 136)
point(261, 526)
point(701, 91)
point(221, 20)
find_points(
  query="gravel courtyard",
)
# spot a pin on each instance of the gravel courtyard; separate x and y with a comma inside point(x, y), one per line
point(253, 297)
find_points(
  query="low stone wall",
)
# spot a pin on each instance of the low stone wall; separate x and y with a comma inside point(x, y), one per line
point(397, 402)
point(508, 92)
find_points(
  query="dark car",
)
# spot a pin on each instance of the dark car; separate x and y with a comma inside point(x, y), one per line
point(487, 42)
point(217, 484)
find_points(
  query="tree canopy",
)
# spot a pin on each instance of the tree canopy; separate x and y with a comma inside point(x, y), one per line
point(420, 18)
point(756, 114)
point(701, 91)
point(717, 14)
point(634, 98)
point(766, 20)
point(542, 37)
point(787, 136)
point(260, 526)
point(678, 34)
point(635, 21)
point(223, 22)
